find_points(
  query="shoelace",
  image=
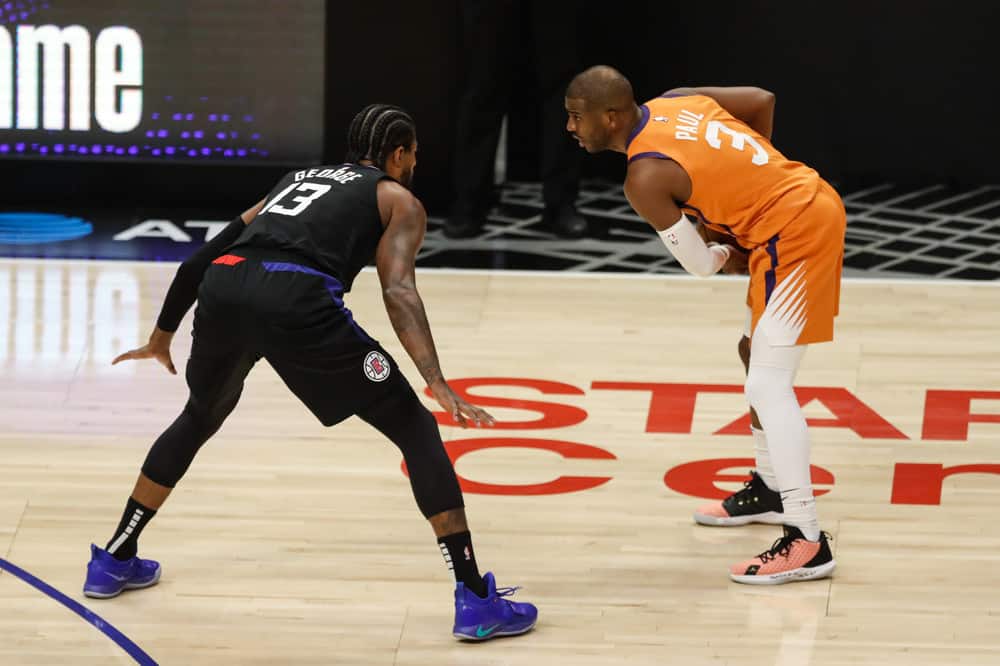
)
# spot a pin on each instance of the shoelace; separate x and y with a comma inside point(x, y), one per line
point(747, 487)
point(780, 547)
point(783, 546)
point(507, 591)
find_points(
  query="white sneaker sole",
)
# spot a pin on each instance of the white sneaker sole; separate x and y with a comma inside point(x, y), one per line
point(768, 518)
point(793, 576)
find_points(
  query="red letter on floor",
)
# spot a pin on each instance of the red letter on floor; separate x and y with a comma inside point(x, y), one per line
point(947, 414)
point(554, 415)
point(920, 483)
point(848, 412)
point(698, 478)
point(563, 484)
point(671, 406)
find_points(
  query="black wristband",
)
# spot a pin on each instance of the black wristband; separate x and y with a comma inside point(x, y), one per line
point(183, 290)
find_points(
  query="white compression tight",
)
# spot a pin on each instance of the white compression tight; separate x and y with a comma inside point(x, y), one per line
point(769, 390)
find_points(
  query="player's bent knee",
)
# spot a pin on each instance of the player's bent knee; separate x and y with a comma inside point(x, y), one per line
point(769, 388)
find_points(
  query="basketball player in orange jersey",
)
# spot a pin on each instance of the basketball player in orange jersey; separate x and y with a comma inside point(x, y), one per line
point(705, 153)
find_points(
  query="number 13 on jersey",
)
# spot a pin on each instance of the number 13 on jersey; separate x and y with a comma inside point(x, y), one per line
point(315, 191)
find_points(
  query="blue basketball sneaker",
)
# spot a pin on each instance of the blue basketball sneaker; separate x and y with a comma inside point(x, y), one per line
point(107, 577)
point(478, 619)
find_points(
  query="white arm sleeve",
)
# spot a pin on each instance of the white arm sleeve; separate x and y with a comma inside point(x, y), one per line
point(690, 250)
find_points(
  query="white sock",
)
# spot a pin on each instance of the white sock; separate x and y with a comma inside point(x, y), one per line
point(769, 390)
point(800, 511)
point(763, 465)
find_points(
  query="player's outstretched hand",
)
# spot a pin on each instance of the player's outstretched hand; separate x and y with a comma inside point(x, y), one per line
point(158, 347)
point(463, 413)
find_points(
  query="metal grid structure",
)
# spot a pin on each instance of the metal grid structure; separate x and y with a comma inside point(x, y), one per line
point(892, 231)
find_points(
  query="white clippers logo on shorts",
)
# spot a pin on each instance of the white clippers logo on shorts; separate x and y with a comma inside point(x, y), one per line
point(376, 367)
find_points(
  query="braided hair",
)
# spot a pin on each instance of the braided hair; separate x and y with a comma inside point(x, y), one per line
point(376, 131)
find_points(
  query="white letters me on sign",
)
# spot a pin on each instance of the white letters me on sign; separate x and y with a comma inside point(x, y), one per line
point(113, 75)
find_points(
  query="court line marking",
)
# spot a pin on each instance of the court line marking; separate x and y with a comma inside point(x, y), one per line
point(88, 615)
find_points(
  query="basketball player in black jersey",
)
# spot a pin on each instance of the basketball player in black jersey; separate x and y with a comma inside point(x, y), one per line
point(271, 286)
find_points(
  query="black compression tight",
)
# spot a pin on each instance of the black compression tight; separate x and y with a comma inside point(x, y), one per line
point(173, 451)
point(400, 417)
point(407, 423)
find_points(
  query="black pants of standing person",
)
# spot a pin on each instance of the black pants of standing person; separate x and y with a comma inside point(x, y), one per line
point(494, 32)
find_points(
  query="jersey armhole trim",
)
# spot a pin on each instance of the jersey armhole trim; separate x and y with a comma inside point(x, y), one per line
point(648, 154)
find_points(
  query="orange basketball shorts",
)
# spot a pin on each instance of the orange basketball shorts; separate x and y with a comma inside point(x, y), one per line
point(794, 292)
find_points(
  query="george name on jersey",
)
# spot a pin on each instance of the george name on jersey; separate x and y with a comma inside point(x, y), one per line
point(341, 175)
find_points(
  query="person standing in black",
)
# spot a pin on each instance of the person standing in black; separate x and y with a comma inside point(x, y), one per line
point(493, 33)
point(271, 286)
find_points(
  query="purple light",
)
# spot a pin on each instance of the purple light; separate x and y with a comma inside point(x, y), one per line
point(192, 153)
point(206, 151)
point(189, 116)
point(83, 150)
point(255, 136)
point(227, 153)
point(199, 134)
point(133, 150)
point(225, 117)
point(169, 98)
point(58, 148)
point(19, 147)
point(109, 148)
point(4, 148)
point(119, 151)
point(96, 150)
point(185, 135)
point(157, 152)
point(212, 117)
point(248, 118)
point(150, 134)
point(177, 116)
point(44, 150)
point(163, 134)
point(233, 135)
point(221, 135)
point(263, 153)
point(241, 153)
point(155, 116)
point(170, 150)
point(204, 99)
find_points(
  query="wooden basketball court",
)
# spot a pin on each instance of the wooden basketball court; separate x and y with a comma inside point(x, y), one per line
point(288, 543)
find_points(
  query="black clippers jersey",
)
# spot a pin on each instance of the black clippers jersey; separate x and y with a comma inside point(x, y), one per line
point(327, 215)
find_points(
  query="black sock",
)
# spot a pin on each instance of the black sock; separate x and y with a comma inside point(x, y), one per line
point(461, 561)
point(125, 542)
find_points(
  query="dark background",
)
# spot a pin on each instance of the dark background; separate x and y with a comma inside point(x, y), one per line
point(867, 92)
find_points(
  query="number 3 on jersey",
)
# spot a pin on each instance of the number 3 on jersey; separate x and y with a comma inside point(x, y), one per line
point(739, 141)
point(316, 190)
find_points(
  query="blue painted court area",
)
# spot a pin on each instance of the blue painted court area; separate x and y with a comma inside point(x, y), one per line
point(89, 616)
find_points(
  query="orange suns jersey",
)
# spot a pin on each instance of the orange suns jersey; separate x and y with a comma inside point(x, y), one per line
point(740, 184)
